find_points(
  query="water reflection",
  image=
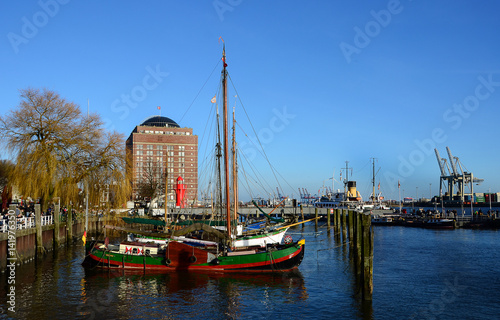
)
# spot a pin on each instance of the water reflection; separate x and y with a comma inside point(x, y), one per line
point(133, 294)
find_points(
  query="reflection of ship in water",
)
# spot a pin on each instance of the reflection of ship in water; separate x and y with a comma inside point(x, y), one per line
point(180, 288)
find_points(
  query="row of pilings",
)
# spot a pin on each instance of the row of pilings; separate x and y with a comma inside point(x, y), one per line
point(354, 229)
point(19, 246)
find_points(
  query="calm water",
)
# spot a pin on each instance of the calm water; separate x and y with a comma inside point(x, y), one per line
point(418, 274)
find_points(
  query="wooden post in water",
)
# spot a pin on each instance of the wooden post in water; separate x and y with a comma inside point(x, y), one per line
point(57, 222)
point(69, 225)
point(302, 213)
point(358, 244)
point(328, 211)
point(350, 222)
point(38, 226)
point(336, 219)
point(367, 248)
point(343, 225)
point(316, 216)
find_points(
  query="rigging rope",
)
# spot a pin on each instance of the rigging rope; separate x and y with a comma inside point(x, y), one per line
point(218, 61)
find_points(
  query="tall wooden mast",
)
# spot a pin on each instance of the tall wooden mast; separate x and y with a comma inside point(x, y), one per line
point(226, 143)
point(235, 171)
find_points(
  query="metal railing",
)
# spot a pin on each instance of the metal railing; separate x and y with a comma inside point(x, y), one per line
point(26, 223)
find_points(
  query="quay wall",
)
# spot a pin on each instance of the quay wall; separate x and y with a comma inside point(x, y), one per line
point(51, 237)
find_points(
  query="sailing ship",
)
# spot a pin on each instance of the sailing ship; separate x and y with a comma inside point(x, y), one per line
point(175, 253)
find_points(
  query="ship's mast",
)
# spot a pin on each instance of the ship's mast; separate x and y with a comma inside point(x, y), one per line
point(373, 181)
point(226, 143)
point(235, 170)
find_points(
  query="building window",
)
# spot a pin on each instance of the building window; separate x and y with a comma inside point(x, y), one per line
point(139, 152)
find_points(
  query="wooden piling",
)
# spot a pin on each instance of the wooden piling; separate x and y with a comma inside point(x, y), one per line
point(38, 225)
point(328, 211)
point(367, 248)
point(350, 226)
point(57, 223)
point(337, 218)
point(69, 225)
point(343, 225)
point(343, 222)
point(302, 213)
point(358, 242)
point(316, 216)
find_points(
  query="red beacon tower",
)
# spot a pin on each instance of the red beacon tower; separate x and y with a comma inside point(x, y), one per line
point(180, 193)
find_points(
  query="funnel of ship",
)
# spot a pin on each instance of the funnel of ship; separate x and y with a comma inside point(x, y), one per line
point(352, 193)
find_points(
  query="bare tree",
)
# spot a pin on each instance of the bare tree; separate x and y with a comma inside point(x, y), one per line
point(56, 146)
point(152, 180)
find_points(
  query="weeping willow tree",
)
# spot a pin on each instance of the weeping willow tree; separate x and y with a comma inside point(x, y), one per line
point(57, 147)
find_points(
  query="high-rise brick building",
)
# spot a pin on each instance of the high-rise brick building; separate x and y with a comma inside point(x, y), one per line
point(159, 146)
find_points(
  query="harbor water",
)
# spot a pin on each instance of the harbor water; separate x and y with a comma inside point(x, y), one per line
point(418, 274)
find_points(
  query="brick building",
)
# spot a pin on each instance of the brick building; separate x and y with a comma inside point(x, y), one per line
point(158, 146)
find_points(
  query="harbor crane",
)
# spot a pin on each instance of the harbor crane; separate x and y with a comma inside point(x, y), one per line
point(454, 177)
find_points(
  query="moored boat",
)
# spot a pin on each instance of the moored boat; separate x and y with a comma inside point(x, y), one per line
point(177, 256)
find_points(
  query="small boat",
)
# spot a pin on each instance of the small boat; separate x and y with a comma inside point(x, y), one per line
point(438, 223)
point(382, 220)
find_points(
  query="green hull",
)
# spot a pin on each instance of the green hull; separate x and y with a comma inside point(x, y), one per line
point(178, 256)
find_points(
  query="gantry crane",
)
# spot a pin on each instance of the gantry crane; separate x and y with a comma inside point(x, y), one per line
point(453, 177)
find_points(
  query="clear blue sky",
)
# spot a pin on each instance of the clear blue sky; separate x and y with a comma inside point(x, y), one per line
point(327, 81)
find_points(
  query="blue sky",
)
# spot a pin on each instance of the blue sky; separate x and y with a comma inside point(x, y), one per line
point(324, 81)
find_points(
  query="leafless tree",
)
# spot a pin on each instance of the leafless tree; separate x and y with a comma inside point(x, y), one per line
point(56, 146)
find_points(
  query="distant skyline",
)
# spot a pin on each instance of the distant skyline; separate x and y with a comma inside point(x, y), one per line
point(324, 82)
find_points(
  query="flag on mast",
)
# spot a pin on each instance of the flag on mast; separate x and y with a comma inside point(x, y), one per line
point(213, 100)
point(84, 237)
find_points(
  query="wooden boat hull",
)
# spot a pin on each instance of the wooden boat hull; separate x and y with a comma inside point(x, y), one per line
point(180, 257)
